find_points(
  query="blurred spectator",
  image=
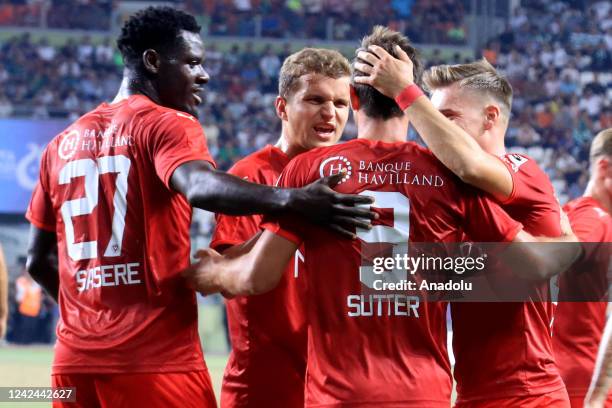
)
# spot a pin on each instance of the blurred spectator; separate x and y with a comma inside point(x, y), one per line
point(6, 108)
point(28, 298)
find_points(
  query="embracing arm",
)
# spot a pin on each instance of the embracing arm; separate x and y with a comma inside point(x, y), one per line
point(542, 257)
point(42, 260)
point(456, 149)
point(251, 268)
point(216, 191)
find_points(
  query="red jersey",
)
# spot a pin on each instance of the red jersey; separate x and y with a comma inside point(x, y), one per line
point(267, 364)
point(514, 337)
point(123, 238)
point(369, 350)
point(578, 326)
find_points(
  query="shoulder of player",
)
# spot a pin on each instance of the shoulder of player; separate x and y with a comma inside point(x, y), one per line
point(170, 116)
point(527, 170)
point(523, 164)
point(254, 167)
point(149, 113)
point(588, 210)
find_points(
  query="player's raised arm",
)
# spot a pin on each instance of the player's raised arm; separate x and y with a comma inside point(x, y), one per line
point(42, 260)
point(602, 376)
point(213, 190)
point(452, 145)
point(248, 269)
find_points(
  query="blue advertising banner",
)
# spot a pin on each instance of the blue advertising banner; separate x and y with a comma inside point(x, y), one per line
point(22, 142)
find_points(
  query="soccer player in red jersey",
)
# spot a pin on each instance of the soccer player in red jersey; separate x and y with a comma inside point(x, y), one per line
point(267, 364)
point(519, 369)
point(578, 326)
point(368, 350)
point(114, 200)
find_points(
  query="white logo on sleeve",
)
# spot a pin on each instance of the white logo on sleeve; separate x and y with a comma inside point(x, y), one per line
point(516, 161)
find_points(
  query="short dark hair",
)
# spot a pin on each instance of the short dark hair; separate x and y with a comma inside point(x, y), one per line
point(157, 28)
point(375, 104)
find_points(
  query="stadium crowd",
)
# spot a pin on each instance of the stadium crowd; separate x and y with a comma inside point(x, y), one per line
point(320, 19)
point(561, 76)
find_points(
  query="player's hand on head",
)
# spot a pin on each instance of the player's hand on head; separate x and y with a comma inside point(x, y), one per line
point(389, 75)
point(341, 212)
point(202, 274)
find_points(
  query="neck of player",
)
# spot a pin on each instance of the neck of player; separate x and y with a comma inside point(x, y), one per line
point(598, 191)
point(390, 131)
point(132, 84)
point(290, 149)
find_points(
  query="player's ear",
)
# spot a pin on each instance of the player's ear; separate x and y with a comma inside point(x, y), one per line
point(151, 60)
point(604, 167)
point(281, 108)
point(492, 113)
point(354, 98)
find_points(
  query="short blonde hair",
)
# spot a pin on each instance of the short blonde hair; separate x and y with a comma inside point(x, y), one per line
point(602, 144)
point(329, 63)
point(479, 76)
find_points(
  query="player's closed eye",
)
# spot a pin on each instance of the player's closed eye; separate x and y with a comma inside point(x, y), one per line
point(315, 100)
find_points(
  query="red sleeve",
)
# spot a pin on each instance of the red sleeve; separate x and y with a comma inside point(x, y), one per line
point(178, 138)
point(591, 228)
point(529, 183)
point(40, 210)
point(232, 230)
point(296, 174)
point(485, 221)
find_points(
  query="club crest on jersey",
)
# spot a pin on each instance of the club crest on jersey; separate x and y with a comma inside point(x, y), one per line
point(515, 161)
point(334, 165)
point(68, 145)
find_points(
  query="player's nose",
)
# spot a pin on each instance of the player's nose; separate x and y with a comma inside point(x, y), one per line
point(327, 110)
point(202, 76)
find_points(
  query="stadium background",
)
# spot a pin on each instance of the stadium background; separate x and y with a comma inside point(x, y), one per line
point(58, 60)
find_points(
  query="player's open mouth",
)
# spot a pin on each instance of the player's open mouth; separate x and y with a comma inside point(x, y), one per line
point(325, 130)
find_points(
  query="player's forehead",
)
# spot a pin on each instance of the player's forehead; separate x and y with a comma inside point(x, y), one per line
point(192, 44)
point(452, 97)
point(322, 85)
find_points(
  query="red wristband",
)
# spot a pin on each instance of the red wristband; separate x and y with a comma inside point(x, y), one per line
point(408, 96)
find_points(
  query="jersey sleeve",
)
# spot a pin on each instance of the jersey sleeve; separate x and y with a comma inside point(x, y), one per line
point(529, 183)
point(232, 230)
point(295, 175)
point(178, 138)
point(486, 221)
point(590, 228)
point(40, 210)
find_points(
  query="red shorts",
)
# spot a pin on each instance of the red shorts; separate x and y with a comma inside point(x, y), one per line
point(188, 389)
point(556, 399)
